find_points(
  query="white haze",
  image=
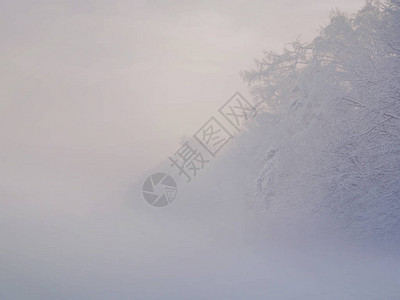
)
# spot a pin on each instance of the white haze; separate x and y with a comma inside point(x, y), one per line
point(95, 94)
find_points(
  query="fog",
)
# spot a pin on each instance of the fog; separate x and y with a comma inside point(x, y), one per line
point(94, 95)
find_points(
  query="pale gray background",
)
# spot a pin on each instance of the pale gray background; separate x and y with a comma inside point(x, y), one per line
point(93, 94)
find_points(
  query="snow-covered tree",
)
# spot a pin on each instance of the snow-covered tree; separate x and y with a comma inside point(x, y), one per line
point(334, 156)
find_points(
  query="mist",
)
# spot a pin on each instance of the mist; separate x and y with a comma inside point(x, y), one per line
point(95, 96)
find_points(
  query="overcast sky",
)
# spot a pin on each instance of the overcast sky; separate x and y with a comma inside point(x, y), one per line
point(114, 80)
